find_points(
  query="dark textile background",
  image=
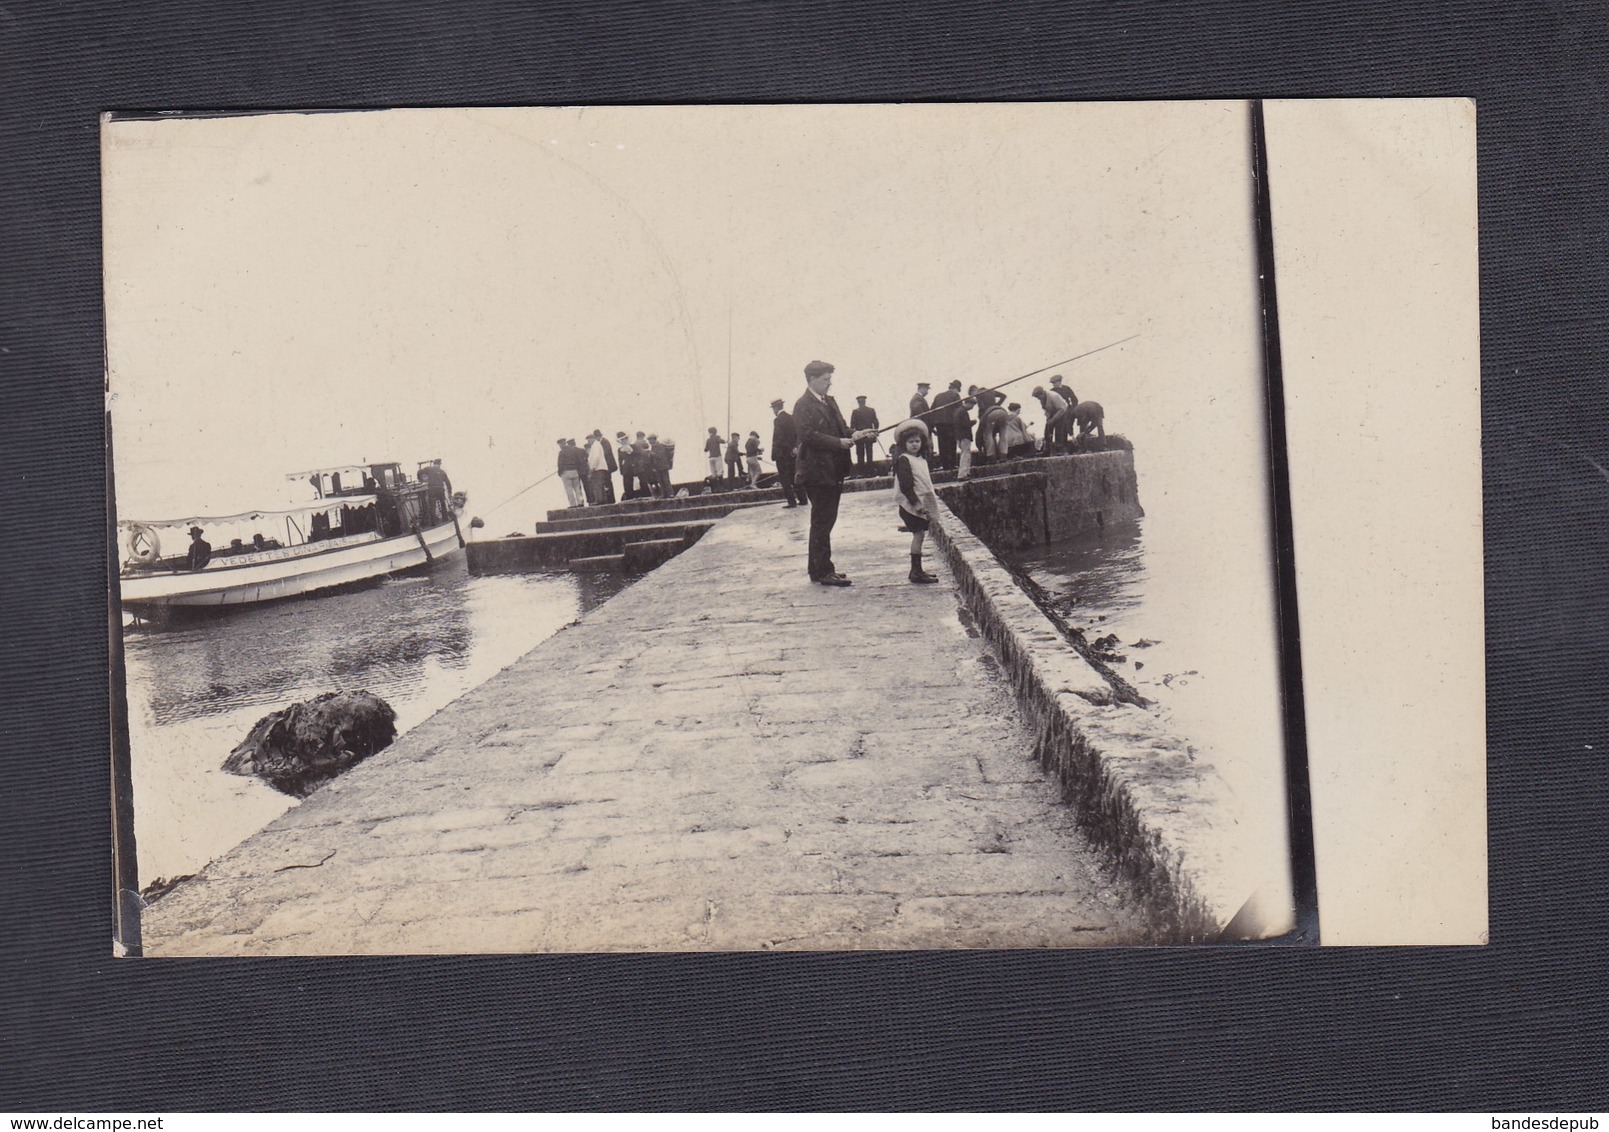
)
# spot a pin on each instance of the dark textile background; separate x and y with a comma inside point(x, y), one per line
point(1518, 1025)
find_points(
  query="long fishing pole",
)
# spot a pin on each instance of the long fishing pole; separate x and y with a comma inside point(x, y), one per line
point(1013, 381)
point(522, 491)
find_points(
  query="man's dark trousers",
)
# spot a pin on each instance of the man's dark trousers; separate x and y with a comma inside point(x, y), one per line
point(823, 499)
point(863, 454)
point(946, 437)
point(786, 470)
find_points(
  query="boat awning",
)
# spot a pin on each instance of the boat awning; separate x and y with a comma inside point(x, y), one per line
point(333, 503)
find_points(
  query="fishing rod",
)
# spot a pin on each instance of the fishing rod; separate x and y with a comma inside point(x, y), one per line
point(1013, 381)
point(523, 490)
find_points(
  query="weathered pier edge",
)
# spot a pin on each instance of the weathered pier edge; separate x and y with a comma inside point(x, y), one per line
point(1139, 792)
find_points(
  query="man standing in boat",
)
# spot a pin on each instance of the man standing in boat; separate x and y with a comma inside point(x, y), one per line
point(824, 444)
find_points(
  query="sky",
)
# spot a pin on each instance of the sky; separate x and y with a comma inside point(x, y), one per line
point(290, 291)
point(303, 290)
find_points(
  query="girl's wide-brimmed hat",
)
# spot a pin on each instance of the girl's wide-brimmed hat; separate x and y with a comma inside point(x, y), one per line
point(915, 423)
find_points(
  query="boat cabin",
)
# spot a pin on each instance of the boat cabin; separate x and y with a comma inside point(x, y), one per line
point(351, 504)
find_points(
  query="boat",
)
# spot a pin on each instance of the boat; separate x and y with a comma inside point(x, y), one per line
point(366, 521)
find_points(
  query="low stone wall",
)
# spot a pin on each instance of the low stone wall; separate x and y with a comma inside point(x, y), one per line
point(1005, 511)
point(1086, 492)
point(1162, 815)
point(1048, 499)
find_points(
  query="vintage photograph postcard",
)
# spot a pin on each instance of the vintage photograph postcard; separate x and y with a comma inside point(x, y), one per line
point(734, 528)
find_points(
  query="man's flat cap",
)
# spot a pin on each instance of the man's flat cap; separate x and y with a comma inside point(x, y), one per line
point(816, 369)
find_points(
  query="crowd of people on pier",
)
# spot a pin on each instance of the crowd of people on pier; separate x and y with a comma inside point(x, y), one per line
point(823, 441)
point(587, 470)
point(812, 449)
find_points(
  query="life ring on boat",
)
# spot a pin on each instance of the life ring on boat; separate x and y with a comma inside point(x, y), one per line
point(143, 544)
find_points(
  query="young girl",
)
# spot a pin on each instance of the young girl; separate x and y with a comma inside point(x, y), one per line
point(913, 491)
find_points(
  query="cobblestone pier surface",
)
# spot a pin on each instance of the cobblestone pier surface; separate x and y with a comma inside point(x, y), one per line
point(722, 757)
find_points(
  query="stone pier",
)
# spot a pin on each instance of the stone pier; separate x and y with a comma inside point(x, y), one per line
point(722, 757)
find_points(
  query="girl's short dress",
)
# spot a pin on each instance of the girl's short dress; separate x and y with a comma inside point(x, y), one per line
point(913, 485)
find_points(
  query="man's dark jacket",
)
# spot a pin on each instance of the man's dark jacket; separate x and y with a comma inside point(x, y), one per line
point(822, 460)
point(942, 417)
point(863, 417)
point(784, 437)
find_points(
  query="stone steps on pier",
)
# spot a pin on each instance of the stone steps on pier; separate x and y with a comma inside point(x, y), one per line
point(678, 510)
point(554, 551)
point(697, 497)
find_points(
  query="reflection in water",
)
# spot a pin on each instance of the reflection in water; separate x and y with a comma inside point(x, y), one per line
point(196, 689)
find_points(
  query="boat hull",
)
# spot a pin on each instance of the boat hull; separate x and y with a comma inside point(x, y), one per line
point(291, 575)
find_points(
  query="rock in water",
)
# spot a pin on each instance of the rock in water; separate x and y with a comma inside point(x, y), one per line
point(299, 749)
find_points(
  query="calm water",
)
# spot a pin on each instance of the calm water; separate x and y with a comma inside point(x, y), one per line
point(419, 642)
point(1206, 663)
point(1113, 583)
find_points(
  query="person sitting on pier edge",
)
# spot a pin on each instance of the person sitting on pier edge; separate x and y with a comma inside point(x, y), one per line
point(824, 444)
point(863, 416)
point(784, 442)
point(752, 450)
point(1057, 415)
point(572, 466)
point(628, 466)
point(734, 459)
point(200, 550)
point(712, 449)
point(913, 491)
point(942, 420)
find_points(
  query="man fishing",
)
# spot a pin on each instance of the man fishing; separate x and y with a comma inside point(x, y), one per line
point(823, 462)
